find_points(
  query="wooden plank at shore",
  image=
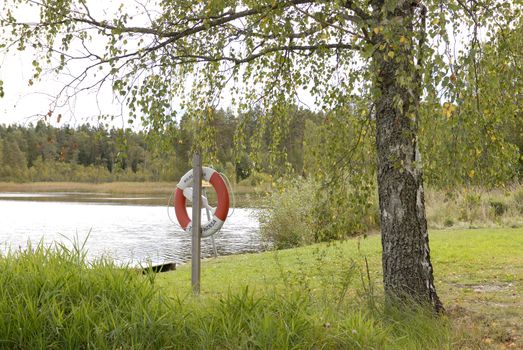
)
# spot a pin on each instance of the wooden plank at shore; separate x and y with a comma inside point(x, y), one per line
point(160, 268)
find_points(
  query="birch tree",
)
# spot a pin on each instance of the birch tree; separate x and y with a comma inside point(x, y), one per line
point(266, 52)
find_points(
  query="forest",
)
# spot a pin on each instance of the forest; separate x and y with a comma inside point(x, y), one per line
point(98, 153)
point(87, 153)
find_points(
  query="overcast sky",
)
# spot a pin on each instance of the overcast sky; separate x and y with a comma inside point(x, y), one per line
point(23, 102)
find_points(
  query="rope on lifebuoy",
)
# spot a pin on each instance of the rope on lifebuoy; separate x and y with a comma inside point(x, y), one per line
point(184, 189)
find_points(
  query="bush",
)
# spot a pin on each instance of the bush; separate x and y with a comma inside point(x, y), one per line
point(498, 207)
point(470, 209)
point(286, 220)
point(518, 199)
point(302, 212)
point(448, 222)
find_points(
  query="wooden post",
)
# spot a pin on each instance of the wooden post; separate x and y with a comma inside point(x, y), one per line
point(196, 223)
point(209, 219)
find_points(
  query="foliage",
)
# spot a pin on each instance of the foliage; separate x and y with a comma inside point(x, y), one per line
point(42, 152)
point(294, 217)
point(481, 117)
point(466, 105)
point(286, 220)
point(340, 158)
point(193, 53)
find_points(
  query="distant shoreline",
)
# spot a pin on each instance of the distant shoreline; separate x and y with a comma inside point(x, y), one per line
point(245, 196)
point(105, 187)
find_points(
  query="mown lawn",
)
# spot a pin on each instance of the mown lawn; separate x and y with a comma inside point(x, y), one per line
point(479, 275)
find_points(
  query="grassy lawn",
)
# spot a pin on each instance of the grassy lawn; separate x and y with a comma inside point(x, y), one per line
point(479, 275)
point(317, 297)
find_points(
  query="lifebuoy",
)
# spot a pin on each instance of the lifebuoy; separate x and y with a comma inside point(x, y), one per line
point(220, 213)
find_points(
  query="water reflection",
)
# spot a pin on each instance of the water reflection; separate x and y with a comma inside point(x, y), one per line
point(128, 233)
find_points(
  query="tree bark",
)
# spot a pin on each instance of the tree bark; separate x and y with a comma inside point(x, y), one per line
point(407, 269)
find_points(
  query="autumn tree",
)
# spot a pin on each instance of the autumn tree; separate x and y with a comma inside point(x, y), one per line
point(188, 55)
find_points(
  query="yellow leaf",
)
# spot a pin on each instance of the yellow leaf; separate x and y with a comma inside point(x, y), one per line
point(472, 173)
point(448, 109)
point(403, 40)
point(390, 54)
point(376, 30)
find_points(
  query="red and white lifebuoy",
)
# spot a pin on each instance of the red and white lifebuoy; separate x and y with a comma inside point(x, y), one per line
point(220, 213)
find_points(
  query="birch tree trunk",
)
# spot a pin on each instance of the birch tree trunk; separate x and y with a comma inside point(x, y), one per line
point(407, 269)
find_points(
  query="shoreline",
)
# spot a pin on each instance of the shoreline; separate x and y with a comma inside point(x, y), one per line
point(87, 187)
point(130, 193)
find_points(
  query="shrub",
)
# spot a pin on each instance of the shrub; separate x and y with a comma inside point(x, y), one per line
point(518, 199)
point(498, 207)
point(285, 222)
point(470, 209)
point(302, 212)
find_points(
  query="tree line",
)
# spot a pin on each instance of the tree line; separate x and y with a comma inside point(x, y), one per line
point(244, 150)
point(42, 152)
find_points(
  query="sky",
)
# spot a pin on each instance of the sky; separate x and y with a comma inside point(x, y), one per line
point(26, 102)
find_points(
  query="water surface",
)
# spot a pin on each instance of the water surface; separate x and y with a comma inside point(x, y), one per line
point(128, 233)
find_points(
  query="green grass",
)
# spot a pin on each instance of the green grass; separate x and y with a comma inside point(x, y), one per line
point(479, 276)
point(50, 298)
point(317, 297)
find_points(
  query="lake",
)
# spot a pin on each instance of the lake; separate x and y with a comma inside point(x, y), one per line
point(113, 226)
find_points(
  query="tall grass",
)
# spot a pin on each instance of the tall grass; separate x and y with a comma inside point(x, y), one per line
point(475, 207)
point(52, 298)
point(289, 218)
